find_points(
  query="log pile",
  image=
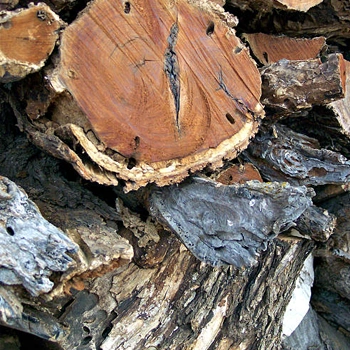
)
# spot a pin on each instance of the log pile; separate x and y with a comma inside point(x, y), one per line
point(174, 173)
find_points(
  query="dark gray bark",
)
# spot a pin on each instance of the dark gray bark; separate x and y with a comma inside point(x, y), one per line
point(284, 155)
point(228, 225)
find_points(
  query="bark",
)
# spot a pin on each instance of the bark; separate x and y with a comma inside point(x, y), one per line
point(141, 94)
point(185, 304)
point(228, 225)
point(284, 155)
point(287, 84)
point(32, 248)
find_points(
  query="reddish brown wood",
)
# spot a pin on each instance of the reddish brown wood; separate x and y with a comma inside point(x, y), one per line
point(239, 173)
point(272, 48)
point(27, 38)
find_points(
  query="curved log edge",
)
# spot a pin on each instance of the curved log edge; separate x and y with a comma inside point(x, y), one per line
point(200, 92)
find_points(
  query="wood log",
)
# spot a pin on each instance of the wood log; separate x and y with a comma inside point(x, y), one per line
point(283, 155)
point(186, 67)
point(228, 225)
point(272, 48)
point(178, 312)
point(32, 248)
point(134, 285)
point(287, 84)
point(183, 303)
point(27, 38)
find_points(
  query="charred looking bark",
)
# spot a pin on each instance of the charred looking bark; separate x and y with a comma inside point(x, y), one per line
point(171, 68)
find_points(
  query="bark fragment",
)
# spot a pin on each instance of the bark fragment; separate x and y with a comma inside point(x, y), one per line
point(283, 155)
point(223, 225)
point(316, 223)
point(32, 248)
point(291, 86)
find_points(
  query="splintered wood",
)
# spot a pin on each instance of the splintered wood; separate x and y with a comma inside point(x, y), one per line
point(167, 87)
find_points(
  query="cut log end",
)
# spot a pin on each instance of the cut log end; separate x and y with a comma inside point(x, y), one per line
point(27, 38)
point(163, 97)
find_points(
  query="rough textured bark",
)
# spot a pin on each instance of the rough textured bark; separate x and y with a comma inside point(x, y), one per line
point(228, 225)
point(318, 223)
point(184, 304)
point(174, 300)
point(134, 285)
point(286, 84)
point(283, 155)
point(32, 248)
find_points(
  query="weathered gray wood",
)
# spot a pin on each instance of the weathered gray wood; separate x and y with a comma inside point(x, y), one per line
point(286, 85)
point(224, 225)
point(314, 333)
point(316, 223)
point(185, 304)
point(283, 155)
point(31, 248)
point(18, 316)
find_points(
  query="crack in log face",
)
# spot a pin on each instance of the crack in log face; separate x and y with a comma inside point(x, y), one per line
point(240, 105)
point(171, 68)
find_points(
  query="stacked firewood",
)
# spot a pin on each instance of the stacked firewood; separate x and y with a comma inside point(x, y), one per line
point(174, 173)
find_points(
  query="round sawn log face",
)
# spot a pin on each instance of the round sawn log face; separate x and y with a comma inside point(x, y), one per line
point(166, 85)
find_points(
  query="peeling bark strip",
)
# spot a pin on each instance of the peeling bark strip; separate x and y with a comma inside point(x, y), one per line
point(171, 68)
point(223, 225)
point(31, 248)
